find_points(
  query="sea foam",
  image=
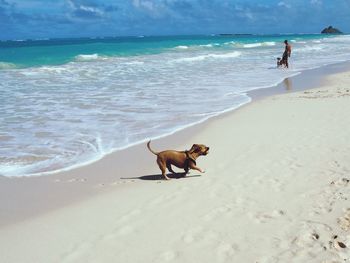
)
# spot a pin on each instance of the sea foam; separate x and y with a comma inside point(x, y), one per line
point(261, 44)
point(91, 57)
point(234, 54)
point(181, 47)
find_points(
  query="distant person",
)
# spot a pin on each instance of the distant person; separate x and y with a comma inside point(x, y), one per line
point(286, 54)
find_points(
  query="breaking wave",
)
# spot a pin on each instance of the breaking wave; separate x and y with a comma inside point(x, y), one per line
point(91, 57)
point(234, 54)
point(5, 65)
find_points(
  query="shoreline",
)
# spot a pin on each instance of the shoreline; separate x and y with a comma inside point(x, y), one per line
point(298, 82)
point(277, 179)
point(84, 143)
point(308, 79)
point(49, 192)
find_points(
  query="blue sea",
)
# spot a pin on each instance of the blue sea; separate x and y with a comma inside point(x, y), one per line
point(68, 102)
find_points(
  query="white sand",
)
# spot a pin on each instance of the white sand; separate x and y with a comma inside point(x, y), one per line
point(276, 189)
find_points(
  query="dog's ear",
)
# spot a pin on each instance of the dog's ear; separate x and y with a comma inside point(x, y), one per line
point(195, 148)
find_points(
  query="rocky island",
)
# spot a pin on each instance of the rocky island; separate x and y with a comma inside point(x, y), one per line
point(331, 30)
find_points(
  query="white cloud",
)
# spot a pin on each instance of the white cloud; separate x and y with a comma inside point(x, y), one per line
point(85, 10)
point(91, 10)
point(316, 2)
point(284, 4)
point(145, 4)
point(249, 15)
point(153, 8)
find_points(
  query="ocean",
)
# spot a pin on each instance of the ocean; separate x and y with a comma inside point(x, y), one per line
point(68, 102)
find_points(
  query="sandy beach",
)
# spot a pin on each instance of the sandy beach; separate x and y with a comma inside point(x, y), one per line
point(276, 189)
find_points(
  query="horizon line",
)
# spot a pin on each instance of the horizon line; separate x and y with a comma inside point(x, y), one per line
point(165, 35)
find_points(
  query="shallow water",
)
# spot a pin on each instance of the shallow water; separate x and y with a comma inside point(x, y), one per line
point(101, 96)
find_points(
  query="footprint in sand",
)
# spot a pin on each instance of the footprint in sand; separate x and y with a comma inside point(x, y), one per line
point(120, 182)
point(116, 233)
point(313, 236)
point(128, 216)
point(167, 198)
point(263, 217)
point(167, 256)
point(276, 184)
point(125, 230)
point(268, 260)
point(72, 180)
point(280, 244)
point(199, 235)
point(334, 193)
point(217, 212)
point(192, 235)
point(240, 201)
point(323, 208)
point(226, 251)
point(76, 252)
point(115, 183)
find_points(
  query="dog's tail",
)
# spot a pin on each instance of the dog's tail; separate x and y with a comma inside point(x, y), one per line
point(149, 148)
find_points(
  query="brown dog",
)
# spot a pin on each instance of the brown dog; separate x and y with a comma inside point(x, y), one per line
point(181, 159)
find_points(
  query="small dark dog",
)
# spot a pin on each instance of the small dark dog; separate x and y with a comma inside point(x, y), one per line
point(278, 62)
point(181, 159)
point(281, 62)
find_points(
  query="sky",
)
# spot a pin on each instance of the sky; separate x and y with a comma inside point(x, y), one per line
point(35, 19)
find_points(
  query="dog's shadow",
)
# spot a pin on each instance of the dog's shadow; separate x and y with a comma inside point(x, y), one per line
point(157, 177)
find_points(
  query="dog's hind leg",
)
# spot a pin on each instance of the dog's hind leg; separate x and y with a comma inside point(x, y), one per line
point(168, 165)
point(162, 167)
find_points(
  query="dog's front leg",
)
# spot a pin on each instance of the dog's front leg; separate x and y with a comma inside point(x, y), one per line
point(186, 171)
point(194, 167)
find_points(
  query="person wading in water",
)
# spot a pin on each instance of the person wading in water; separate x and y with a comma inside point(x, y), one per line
point(286, 54)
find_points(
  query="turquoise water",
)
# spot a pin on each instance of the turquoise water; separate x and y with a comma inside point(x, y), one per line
point(66, 103)
point(60, 51)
